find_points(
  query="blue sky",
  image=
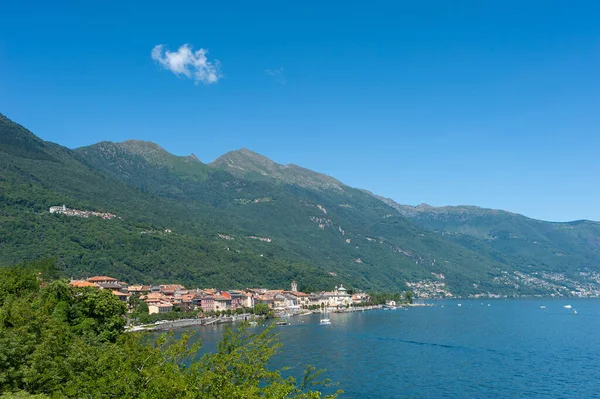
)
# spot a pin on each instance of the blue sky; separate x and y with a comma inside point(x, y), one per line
point(491, 103)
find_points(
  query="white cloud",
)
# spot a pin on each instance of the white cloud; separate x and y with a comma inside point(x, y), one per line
point(277, 74)
point(191, 64)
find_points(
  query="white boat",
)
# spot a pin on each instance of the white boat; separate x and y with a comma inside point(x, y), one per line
point(574, 311)
point(543, 307)
point(325, 320)
point(460, 304)
point(567, 306)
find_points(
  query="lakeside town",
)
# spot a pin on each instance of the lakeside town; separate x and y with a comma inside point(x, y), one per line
point(210, 305)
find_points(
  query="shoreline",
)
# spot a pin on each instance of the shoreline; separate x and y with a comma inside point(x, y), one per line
point(167, 325)
point(182, 323)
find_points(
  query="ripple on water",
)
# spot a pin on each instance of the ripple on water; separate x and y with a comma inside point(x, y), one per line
point(512, 349)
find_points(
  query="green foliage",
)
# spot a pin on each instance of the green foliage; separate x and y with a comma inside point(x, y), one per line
point(16, 282)
point(261, 309)
point(21, 395)
point(153, 318)
point(68, 342)
point(379, 298)
point(239, 369)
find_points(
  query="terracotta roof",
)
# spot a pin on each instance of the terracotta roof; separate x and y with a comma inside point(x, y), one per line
point(100, 278)
point(298, 293)
point(171, 287)
point(117, 293)
point(81, 284)
point(137, 288)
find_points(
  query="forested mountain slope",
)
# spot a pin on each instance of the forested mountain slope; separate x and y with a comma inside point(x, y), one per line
point(568, 249)
point(311, 217)
point(244, 220)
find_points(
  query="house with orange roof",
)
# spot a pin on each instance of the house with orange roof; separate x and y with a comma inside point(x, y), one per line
point(247, 299)
point(266, 299)
point(83, 284)
point(222, 302)
point(138, 289)
point(361, 297)
point(123, 297)
point(187, 298)
point(170, 289)
point(299, 298)
point(153, 298)
point(102, 279)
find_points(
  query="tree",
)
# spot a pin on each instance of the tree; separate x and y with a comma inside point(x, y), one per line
point(261, 309)
point(17, 282)
point(61, 341)
point(239, 370)
point(408, 296)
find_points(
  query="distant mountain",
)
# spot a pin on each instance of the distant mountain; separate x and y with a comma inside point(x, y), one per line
point(571, 248)
point(308, 217)
point(144, 165)
point(244, 220)
point(250, 165)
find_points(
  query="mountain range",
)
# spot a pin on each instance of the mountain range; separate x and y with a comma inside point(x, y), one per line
point(244, 220)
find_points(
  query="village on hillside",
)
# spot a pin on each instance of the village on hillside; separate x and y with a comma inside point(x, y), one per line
point(63, 210)
point(174, 297)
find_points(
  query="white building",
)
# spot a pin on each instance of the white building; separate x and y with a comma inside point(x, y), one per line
point(160, 308)
point(54, 209)
point(338, 298)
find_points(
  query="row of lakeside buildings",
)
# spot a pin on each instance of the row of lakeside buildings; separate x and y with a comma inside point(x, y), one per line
point(163, 298)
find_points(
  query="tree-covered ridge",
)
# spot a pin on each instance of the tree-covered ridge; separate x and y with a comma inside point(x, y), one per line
point(64, 342)
point(348, 232)
point(313, 228)
point(569, 247)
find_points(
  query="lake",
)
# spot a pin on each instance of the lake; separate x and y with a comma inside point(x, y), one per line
point(509, 349)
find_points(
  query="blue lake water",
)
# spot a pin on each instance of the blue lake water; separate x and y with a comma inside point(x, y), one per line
point(510, 349)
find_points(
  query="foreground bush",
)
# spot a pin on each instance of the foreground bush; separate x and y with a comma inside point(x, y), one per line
point(65, 342)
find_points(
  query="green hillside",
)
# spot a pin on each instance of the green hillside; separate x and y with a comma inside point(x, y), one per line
point(571, 249)
point(245, 220)
point(307, 216)
point(35, 175)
